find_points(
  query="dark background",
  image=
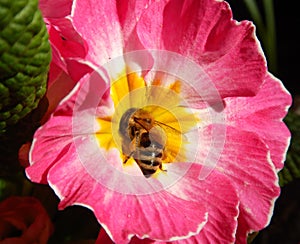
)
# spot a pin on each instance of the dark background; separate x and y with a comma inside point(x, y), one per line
point(285, 224)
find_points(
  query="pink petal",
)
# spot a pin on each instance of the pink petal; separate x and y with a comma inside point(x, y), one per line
point(246, 161)
point(55, 9)
point(196, 87)
point(154, 215)
point(129, 13)
point(57, 90)
point(104, 238)
point(66, 29)
point(77, 68)
point(243, 228)
point(65, 53)
point(52, 140)
point(67, 48)
point(218, 194)
point(263, 115)
point(54, 71)
point(45, 148)
point(97, 22)
point(204, 31)
point(57, 63)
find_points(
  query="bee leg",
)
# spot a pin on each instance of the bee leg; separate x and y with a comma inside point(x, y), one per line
point(161, 168)
point(128, 157)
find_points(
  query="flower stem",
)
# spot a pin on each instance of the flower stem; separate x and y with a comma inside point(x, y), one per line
point(270, 44)
point(267, 32)
point(256, 16)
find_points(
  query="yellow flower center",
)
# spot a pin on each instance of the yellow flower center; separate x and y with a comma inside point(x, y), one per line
point(148, 125)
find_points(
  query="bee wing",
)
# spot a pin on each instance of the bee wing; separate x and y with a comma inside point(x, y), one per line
point(174, 141)
point(158, 135)
point(169, 129)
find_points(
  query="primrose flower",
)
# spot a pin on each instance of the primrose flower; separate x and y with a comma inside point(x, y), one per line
point(176, 134)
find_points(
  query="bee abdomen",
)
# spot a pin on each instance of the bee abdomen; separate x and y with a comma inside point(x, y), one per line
point(148, 172)
point(150, 152)
point(151, 162)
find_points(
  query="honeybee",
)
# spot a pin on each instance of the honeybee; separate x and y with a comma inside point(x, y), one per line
point(143, 139)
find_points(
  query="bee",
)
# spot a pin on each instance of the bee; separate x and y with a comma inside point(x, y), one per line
point(143, 139)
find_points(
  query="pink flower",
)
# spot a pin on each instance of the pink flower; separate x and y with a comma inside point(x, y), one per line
point(67, 47)
point(181, 140)
point(24, 220)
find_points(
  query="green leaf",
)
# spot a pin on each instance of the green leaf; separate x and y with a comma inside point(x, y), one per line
point(291, 169)
point(24, 60)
